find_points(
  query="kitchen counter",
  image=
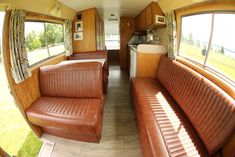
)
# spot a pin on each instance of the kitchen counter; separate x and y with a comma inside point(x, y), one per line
point(153, 49)
point(133, 47)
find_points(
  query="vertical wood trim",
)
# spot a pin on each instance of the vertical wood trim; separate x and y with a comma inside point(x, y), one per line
point(126, 32)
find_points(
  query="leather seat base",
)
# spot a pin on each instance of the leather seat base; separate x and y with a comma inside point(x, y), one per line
point(163, 128)
point(77, 119)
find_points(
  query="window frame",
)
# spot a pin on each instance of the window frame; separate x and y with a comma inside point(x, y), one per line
point(50, 56)
point(204, 64)
point(38, 17)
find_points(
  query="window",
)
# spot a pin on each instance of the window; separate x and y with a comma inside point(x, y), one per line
point(43, 40)
point(112, 41)
point(208, 39)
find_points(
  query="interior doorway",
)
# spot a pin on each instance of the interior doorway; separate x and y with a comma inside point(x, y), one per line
point(112, 40)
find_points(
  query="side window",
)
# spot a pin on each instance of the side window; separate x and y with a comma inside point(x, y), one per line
point(208, 40)
point(222, 51)
point(195, 35)
point(43, 40)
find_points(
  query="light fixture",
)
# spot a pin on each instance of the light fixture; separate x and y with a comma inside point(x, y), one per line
point(56, 10)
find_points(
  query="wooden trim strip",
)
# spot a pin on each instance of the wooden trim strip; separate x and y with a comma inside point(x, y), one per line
point(32, 16)
point(210, 76)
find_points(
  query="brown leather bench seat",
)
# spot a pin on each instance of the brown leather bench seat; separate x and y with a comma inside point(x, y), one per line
point(181, 113)
point(71, 105)
point(95, 55)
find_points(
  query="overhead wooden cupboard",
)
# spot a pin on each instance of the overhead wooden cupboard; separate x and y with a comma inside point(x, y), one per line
point(88, 31)
point(147, 17)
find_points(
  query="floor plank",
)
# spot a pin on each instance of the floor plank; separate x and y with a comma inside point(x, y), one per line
point(119, 134)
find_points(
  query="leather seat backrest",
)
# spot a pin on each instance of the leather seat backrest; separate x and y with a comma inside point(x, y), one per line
point(78, 80)
point(91, 55)
point(210, 110)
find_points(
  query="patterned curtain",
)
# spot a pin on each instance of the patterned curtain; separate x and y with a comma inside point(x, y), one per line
point(171, 32)
point(68, 37)
point(19, 60)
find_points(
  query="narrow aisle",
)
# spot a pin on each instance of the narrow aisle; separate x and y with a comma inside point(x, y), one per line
point(119, 134)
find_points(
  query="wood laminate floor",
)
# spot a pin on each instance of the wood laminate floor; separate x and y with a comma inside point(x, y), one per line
point(119, 134)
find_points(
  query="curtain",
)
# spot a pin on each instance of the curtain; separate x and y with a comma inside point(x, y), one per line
point(68, 37)
point(19, 61)
point(171, 33)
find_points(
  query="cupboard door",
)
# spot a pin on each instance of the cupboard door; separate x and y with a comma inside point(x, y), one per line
point(137, 22)
point(142, 20)
point(156, 10)
point(149, 15)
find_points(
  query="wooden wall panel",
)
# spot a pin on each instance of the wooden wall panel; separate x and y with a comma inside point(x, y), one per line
point(89, 32)
point(147, 64)
point(127, 28)
point(28, 91)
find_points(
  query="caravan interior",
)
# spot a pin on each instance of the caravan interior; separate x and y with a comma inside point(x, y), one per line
point(151, 78)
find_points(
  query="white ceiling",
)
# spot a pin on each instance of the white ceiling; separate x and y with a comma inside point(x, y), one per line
point(129, 8)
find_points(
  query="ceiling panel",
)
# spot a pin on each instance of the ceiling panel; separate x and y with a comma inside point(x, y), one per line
point(128, 8)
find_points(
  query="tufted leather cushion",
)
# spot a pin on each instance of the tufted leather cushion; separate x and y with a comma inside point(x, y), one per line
point(70, 118)
point(210, 110)
point(79, 80)
point(163, 128)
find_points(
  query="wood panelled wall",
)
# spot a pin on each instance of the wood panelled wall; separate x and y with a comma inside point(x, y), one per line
point(127, 28)
point(28, 91)
point(147, 64)
point(89, 34)
point(93, 32)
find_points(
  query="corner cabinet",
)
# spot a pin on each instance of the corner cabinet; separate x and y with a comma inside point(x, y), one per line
point(147, 17)
point(88, 31)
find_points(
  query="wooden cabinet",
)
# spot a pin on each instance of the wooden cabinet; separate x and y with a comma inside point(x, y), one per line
point(92, 29)
point(146, 18)
point(148, 15)
point(140, 21)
